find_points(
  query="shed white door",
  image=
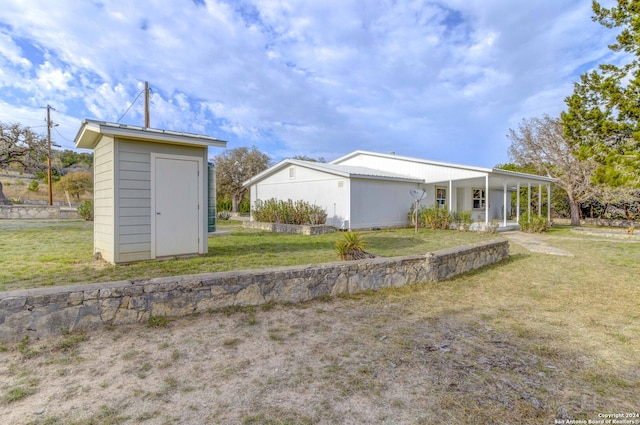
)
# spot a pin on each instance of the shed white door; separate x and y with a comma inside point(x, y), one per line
point(177, 215)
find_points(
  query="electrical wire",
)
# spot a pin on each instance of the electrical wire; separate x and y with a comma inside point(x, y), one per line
point(132, 103)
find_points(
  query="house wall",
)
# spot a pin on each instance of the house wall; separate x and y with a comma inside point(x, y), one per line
point(104, 199)
point(379, 203)
point(428, 172)
point(496, 204)
point(328, 191)
point(122, 176)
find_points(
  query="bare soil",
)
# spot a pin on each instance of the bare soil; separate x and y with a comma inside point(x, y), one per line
point(345, 361)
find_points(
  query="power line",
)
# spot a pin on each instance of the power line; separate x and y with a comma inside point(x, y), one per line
point(60, 134)
point(132, 103)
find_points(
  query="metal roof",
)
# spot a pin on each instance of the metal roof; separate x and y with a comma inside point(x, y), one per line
point(347, 171)
point(497, 171)
point(91, 130)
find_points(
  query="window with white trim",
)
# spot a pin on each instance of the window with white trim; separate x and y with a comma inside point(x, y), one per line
point(292, 173)
point(478, 198)
point(441, 197)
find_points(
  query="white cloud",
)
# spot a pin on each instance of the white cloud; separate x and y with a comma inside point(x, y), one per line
point(443, 79)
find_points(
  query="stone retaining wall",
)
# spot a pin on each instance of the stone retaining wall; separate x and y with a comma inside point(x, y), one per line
point(17, 212)
point(46, 311)
point(304, 229)
point(600, 222)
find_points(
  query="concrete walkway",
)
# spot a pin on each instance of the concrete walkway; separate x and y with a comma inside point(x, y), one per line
point(534, 243)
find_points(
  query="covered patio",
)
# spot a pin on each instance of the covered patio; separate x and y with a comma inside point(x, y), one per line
point(489, 196)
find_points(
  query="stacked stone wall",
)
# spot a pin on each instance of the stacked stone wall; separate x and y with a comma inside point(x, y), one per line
point(304, 229)
point(47, 311)
point(19, 212)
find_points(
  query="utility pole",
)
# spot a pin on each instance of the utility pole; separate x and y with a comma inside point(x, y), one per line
point(146, 104)
point(49, 154)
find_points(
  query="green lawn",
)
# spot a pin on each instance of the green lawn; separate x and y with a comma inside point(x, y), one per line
point(43, 253)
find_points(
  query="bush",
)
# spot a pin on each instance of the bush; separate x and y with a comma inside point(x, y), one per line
point(534, 223)
point(34, 186)
point(432, 218)
point(463, 219)
point(85, 210)
point(288, 212)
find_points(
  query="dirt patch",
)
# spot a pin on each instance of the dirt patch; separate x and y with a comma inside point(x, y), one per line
point(374, 359)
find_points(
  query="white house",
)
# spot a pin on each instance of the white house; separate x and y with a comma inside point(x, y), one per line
point(368, 189)
point(150, 190)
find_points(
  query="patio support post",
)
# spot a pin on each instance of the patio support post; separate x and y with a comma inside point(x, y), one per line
point(518, 204)
point(529, 200)
point(504, 200)
point(549, 202)
point(451, 196)
point(486, 199)
point(539, 200)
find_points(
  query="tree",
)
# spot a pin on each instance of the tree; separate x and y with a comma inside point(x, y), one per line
point(603, 116)
point(540, 143)
point(308, 158)
point(75, 184)
point(21, 147)
point(234, 167)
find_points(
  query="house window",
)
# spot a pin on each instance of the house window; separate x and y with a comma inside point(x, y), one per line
point(478, 198)
point(292, 173)
point(441, 197)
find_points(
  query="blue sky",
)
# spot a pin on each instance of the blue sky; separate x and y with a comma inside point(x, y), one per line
point(441, 80)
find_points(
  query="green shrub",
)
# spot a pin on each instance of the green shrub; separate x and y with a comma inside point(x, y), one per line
point(432, 218)
point(34, 186)
point(244, 206)
point(85, 210)
point(533, 223)
point(350, 246)
point(224, 204)
point(288, 212)
point(463, 219)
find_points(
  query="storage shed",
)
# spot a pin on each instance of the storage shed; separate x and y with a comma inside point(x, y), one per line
point(150, 191)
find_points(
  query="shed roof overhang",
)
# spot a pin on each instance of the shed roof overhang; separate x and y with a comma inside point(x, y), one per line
point(91, 131)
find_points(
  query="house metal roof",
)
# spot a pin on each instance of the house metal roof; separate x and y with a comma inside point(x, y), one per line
point(494, 171)
point(347, 171)
point(91, 130)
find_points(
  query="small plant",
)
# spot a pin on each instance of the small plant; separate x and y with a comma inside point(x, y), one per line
point(25, 350)
point(223, 215)
point(533, 224)
point(71, 341)
point(463, 219)
point(34, 186)
point(18, 393)
point(85, 210)
point(351, 247)
point(158, 321)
